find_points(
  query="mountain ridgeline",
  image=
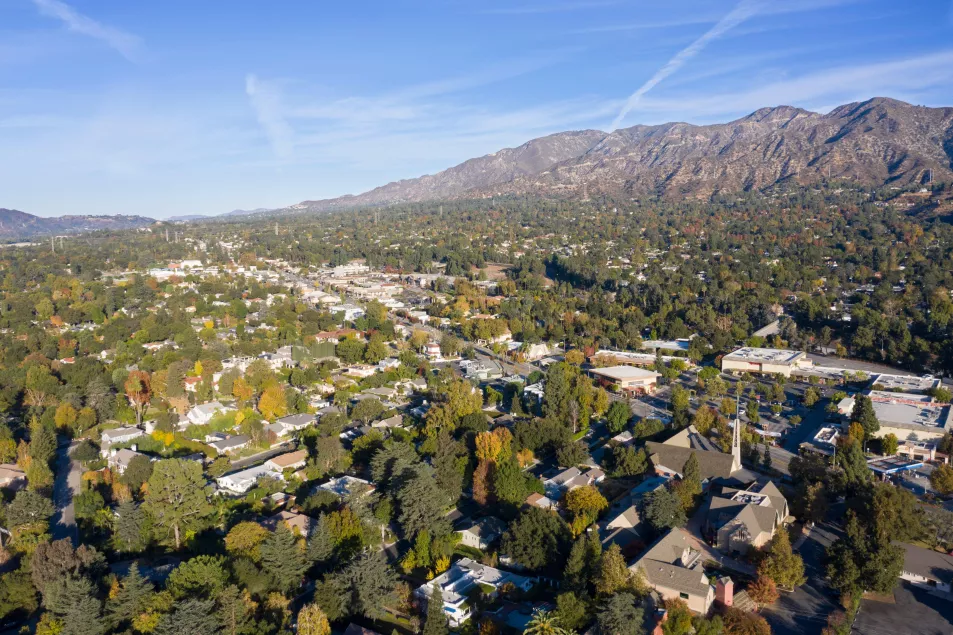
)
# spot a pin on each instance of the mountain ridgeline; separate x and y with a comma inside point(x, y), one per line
point(875, 142)
point(15, 224)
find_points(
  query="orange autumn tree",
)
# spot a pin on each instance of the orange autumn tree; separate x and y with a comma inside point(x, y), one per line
point(139, 391)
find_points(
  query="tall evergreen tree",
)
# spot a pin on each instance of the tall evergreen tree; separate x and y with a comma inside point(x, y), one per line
point(283, 558)
point(131, 600)
point(436, 623)
point(191, 617)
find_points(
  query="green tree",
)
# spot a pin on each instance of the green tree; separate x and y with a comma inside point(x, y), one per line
point(72, 599)
point(28, 507)
point(132, 599)
point(620, 615)
point(177, 499)
point(544, 623)
point(613, 574)
point(941, 479)
point(889, 444)
point(537, 539)
point(283, 559)
point(864, 414)
point(436, 623)
point(572, 611)
point(365, 582)
point(420, 499)
point(780, 563)
point(201, 576)
point(618, 416)
point(131, 530)
point(664, 510)
point(583, 563)
point(190, 617)
point(628, 461)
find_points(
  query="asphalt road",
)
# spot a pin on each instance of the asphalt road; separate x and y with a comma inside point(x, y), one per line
point(66, 485)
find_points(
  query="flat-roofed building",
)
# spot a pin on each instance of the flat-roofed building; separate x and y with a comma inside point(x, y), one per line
point(906, 383)
point(629, 379)
point(765, 361)
point(910, 417)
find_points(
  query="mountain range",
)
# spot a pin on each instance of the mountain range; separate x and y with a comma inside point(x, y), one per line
point(875, 142)
point(16, 224)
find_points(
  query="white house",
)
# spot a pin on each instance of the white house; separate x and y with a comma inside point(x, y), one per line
point(351, 311)
point(119, 460)
point(461, 579)
point(231, 444)
point(119, 435)
point(202, 414)
point(241, 482)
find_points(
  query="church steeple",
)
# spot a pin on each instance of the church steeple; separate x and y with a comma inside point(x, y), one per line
point(736, 437)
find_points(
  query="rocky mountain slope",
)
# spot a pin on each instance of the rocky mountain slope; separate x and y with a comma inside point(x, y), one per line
point(529, 159)
point(16, 224)
point(874, 142)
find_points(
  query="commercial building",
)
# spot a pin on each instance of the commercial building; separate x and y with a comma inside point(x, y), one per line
point(911, 417)
point(765, 361)
point(905, 383)
point(461, 580)
point(927, 568)
point(628, 379)
point(674, 569)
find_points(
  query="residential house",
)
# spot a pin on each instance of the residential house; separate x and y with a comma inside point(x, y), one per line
point(200, 415)
point(119, 435)
point(482, 533)
point(432, 352)
point(299, 524)
point(288, 461)
point(242, 481)
point(570, 479)
point(118, 460)
point(460, 580)
point(12, 477)
point(674, 569)
point(623, 523)
point(344, 485)
point(295, 423)
point(231, 444)
point(538, 500)
point(351, 311)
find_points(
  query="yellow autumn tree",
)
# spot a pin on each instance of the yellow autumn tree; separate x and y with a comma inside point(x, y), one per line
point(272, 403)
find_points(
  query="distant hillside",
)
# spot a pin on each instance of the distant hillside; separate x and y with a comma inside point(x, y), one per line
point(16, 224)
point(530, 158)
point(875, 142)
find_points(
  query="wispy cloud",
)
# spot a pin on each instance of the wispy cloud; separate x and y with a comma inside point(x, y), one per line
point(265, 98)
point(126, 43)
point(742, 11)
point(910, 79)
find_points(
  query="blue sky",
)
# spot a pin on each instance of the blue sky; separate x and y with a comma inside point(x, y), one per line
point(199, 107)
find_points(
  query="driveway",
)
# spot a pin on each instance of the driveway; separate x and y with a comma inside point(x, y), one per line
point(804, 611)
point(261, 457)
point(66, 485)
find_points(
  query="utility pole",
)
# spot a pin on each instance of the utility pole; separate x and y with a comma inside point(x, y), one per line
point(276, 228)
point(53, 243)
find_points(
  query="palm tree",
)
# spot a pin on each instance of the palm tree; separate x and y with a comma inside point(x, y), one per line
point(545, 623)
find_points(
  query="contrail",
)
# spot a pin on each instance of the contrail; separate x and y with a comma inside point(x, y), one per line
point(742, 11)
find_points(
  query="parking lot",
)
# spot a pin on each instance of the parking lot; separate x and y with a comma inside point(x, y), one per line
point(915, 611)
